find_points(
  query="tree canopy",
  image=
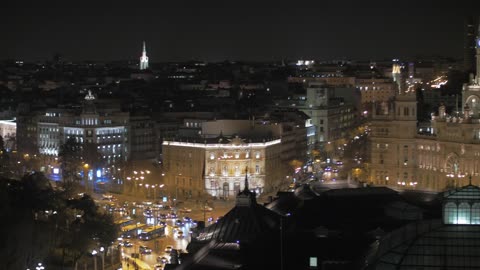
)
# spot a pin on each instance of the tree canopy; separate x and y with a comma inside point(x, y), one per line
point(42, 224)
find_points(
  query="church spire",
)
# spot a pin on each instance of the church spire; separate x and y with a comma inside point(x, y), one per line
point(144, 58)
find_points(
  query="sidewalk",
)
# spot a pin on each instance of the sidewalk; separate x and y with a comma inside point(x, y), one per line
point(134, 264)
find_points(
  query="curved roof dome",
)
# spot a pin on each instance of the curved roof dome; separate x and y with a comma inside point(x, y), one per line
point(429, 245)
point(469, 192)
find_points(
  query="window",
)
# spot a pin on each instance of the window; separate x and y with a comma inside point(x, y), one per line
point(475, 214)
point(257, 169)
point(450, 213)
point(463, 215)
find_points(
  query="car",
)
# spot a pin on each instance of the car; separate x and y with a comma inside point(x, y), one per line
point(187, 219)
point(178, 222)
point(162, 216)
point(179, 234)
point(145, 250)
point(127, 243)
point(185, 210)
point(162, 259)
point(207, 208)
point(172, 215)
point(158, 266)
point(168, 249)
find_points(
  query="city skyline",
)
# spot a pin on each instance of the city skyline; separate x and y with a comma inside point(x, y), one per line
point(219, 31)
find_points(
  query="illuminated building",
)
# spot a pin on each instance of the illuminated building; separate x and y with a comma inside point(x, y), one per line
point(8, 131)
point(445, 157)
point(215, 162)
point(329, 114)
point(217, 166)
point(107, 129)
point(375, 89)
point(144, 58)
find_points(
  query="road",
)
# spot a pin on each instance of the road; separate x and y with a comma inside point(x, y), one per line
point(158, 245)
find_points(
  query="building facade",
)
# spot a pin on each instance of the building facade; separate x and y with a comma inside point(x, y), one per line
point(106, 128)
point(446, 157)
point(8, 131)
point(215, 162)
point(217, 167)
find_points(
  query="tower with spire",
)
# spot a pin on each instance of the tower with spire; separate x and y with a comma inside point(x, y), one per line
point(144, 58)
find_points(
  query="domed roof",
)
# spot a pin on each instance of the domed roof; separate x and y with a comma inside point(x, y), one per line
point(244, 222)
point(429, 245)
point(469, 192)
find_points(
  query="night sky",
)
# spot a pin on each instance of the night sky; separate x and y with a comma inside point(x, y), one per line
point(234, 30)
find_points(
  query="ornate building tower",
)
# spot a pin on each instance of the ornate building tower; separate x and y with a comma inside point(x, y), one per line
point(144, 58)
point(471, 90)
point(393, 145)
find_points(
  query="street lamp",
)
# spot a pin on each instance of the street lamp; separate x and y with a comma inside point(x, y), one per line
point(85, 176)
point(94, 253)
point(103, 257)
point(39, 266)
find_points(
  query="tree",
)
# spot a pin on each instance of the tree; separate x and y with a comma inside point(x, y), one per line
point(42, 224)
point(27, 235)
point(5, 168)
point(70, 159)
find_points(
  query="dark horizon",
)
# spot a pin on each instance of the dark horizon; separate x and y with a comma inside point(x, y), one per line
point(219, 31)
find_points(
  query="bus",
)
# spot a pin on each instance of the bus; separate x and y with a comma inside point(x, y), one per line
point(152, 232)
point(131, 230)
point(124, 222)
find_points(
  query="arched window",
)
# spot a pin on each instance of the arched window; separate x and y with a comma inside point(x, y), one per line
point(475, 214)
point(463, 213)
point(450, 213)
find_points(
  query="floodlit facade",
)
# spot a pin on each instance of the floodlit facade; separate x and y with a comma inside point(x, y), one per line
point(8, 131)
point(217, 167)
point(144, 58)
point(445, 157)
point(108, 131)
